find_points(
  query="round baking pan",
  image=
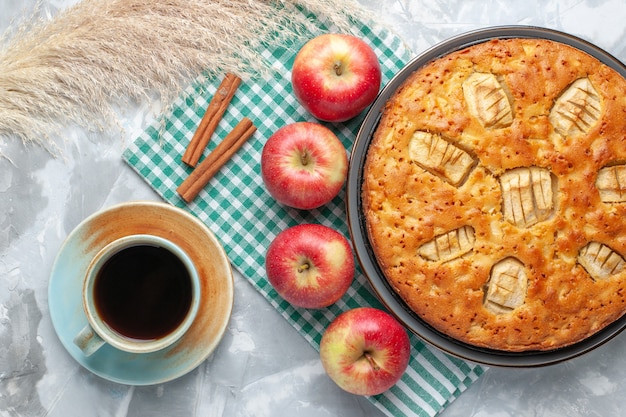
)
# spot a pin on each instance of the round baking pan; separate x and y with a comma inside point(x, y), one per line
point(358, 231)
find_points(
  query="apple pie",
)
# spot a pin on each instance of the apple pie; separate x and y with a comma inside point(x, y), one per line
point(494, 193)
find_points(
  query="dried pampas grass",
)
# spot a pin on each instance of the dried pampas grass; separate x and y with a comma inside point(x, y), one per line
point(76, 67)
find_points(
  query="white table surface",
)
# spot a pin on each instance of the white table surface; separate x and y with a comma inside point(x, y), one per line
point(262, 367)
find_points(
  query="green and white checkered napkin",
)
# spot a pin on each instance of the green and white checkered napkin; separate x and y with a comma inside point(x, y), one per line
point(238, 209)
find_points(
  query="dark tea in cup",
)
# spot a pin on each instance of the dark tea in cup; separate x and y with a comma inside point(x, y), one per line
point(143, 292)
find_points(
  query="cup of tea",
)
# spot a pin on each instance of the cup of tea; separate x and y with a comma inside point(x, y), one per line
point(140, 294)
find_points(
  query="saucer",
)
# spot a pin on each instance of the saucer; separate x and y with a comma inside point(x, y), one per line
point(160, 219)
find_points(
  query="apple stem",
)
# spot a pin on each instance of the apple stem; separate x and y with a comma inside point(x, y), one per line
point(304, 267)
point(371, 361)
point(338, 68)
point(305, 158)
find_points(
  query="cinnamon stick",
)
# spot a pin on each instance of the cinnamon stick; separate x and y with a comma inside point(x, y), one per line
point(211, 119)
point(203, 173)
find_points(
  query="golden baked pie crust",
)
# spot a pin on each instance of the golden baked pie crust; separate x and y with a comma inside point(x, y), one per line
point(413, 205)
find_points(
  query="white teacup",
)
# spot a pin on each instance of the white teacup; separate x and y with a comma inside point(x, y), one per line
point(140, 294)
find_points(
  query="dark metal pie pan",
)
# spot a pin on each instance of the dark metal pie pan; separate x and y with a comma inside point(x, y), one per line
point(356, 220)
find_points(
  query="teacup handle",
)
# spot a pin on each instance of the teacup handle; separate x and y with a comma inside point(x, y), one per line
point(88, 340)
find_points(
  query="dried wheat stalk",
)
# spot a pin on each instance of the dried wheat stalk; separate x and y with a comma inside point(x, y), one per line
point(75, 67)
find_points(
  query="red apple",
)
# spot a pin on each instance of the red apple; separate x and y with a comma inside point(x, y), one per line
point(335, 76)
point(304, 165)
point(310, 265)
point(365, 351)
